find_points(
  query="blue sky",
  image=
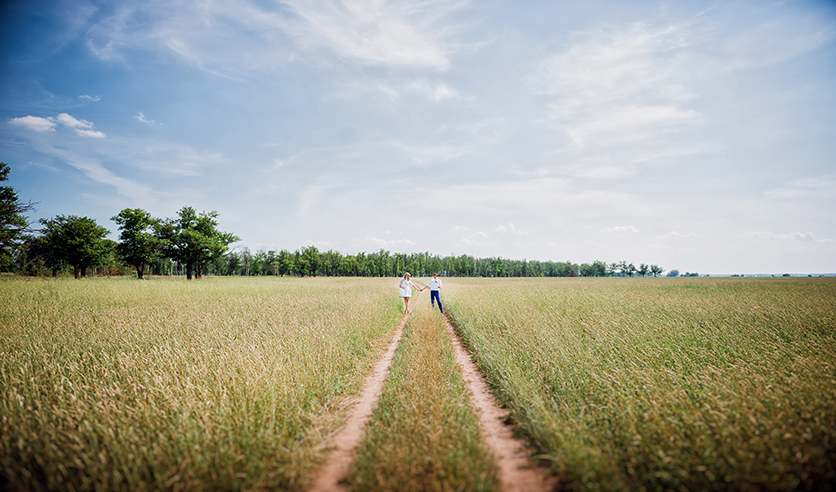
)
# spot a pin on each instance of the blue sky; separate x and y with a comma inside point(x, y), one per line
point(694, 135)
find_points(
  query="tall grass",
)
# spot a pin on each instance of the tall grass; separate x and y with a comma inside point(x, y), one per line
point(424, 435)
point(663, 384)
point(217, 384)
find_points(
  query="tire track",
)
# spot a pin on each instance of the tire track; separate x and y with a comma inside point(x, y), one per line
point(332, 473)
point(516, 472)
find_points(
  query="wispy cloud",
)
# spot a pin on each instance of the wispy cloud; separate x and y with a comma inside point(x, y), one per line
point(804, 188)
point(142, 119)
point(250, 37)
point(620, 95)
point(95, 170)
point(800, 237)
point(626, 228)
point(374, 32)
point(509, 229)
point(675, 235)
point(388, 243)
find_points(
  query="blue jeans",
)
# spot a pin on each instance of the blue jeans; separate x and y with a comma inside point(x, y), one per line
point(434, 298)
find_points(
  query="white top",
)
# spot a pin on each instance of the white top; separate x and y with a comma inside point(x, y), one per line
point(405, 286)
point(434, 284)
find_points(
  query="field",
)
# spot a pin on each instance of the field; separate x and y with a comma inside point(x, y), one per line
point(238, 383)
point(219, 384)
point(664, 384)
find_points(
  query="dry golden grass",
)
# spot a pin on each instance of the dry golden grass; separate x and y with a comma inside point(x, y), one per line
point(424, 435)
point(222, 383)
point(663, 384)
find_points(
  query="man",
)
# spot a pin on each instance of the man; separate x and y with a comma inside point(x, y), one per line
point(434, 285)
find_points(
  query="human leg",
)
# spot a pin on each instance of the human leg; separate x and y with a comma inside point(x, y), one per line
point(435, 297)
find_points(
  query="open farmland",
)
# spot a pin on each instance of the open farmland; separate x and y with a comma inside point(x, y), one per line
point(663, 384)
point(240, 383)
point(225, 383)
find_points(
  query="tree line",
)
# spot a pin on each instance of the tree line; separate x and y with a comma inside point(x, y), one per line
point(190, 244)
point(309, 261)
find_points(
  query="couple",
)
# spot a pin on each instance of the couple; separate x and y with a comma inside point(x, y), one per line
point(406, 291)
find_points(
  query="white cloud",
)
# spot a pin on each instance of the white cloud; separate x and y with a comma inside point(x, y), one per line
point(509, 229)
point(804, 237)
point(803, 188)
point(90, 133)
point(403, 34)
point(81, 127)
point(627, 228)
point(621, 97)
point(95, 170)
point(85, 97)
point(435, 154)
point(676, 235)
point(142, 119)
point(245, 37)
point(384, 243)
point(35, 123)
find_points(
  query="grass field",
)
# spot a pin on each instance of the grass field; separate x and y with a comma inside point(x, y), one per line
point(237, 383)
point(223, 383)
point(663, 384)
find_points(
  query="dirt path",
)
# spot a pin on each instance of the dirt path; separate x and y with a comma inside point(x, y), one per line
point(330, 476)
point(516, 472)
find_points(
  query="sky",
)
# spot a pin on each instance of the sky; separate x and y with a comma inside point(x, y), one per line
point(699, 136)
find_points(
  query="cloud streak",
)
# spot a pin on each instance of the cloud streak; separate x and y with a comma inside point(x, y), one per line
point(35, 123)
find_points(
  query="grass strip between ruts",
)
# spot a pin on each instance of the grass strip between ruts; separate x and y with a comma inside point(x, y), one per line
point(424, 434)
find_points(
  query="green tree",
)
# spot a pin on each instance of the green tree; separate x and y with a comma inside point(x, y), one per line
point(643, 270)
point(599, 268)
point(285, 261)
point(193, 239)
point(309, 261)
point(13, 224)
point(138, 245)
point(656, 270)
point(78, 241)
point(39, 257)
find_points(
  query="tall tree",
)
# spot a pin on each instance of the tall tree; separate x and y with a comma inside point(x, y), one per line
point(309, 261)
point(138, 245)
point(13, 224)
point(285, 260)
point(78, 241)
point(193, 239)
point(656, 270)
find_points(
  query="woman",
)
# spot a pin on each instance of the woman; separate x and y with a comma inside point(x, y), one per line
point(406, 291)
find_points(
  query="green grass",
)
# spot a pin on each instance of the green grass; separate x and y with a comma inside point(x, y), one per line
point(663, 384)
point(217, 384)
point(237, 383)
point(424, 435)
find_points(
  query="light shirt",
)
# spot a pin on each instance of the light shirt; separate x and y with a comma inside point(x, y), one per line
point(434, 284)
